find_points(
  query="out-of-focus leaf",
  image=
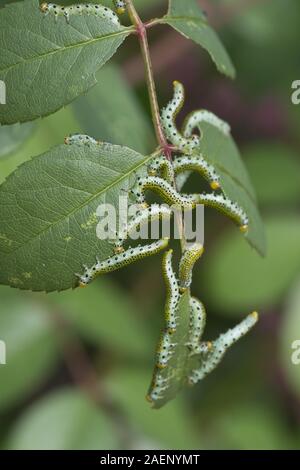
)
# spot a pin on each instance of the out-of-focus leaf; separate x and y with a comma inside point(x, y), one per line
point(48, 213)
point(236, 280)
point(50, 131)
point(169, 427)
point(221, 151)
point(31, 348)
point(275, 173)
point(187, 18)
point(256, 35)
point(105, 315)
point(11, 137)
point(290, 339)
point(251, 427)
point(45, 64)
point(64, 420)
point(115, 117)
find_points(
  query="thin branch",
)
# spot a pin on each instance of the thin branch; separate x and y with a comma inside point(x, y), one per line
point(170, 47)
point(164, 145)
point(143, 39)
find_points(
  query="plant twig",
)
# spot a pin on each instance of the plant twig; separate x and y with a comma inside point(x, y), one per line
point(164, 145)
point(143, 39)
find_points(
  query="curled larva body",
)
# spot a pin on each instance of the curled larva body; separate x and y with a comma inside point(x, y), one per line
point(197, 324)
point(121, 260)
point(187, 262)
point(168, 117)
point(150, 214)
point(199, 164)
point(164, 350)
point(193, 121)
point(80, 139)
point(221, 345)
point(120, 6)
point(172, 289)
point(161, 166)
point(227, 207)
point(165, 191)
point(80, 9)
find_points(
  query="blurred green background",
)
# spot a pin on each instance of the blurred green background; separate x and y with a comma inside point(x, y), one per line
point(79, 363)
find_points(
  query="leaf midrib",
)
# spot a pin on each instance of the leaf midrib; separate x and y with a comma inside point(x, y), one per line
point(87, 202)
point(124, 32)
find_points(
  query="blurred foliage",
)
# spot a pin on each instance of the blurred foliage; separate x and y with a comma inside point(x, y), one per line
point(232, 267)
point(96, 111)
point(63, 420)
point(11, 137)
point(253, 400)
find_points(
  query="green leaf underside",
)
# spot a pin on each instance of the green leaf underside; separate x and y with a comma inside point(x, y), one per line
point(48, 213)
point(31, 343)
point(187, 18)
point(46, 63)
point(221, 151)
point(64, 419)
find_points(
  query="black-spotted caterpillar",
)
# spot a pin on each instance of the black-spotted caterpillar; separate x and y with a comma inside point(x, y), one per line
point(172, 288)
point(149, 214)
point(120, 6)
point(168, 117)
point(187, 262)
point(221, 345)
point(121, 260)
point(80, 9)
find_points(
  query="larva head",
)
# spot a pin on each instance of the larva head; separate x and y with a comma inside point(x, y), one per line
point(244, 228)
point(149, 399)
point(255, 316)
point(44, 7)
point(215, 185)
point(119, 249)
point(84, 280)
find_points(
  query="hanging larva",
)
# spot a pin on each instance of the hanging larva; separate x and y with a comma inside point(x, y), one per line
point(79, 9)
point(121, 260)
point(120, 6)
point(157, 388)
point(227, 207)
point(80, 139)
point(172, 289)
point(197, 324)
point(165, 191)
point(199, 164)
point(168, 117)
point(195, 118)
point(161, 167)
point(187, 262)
point(165, 350)
point(221, 345)
point(150, 214)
